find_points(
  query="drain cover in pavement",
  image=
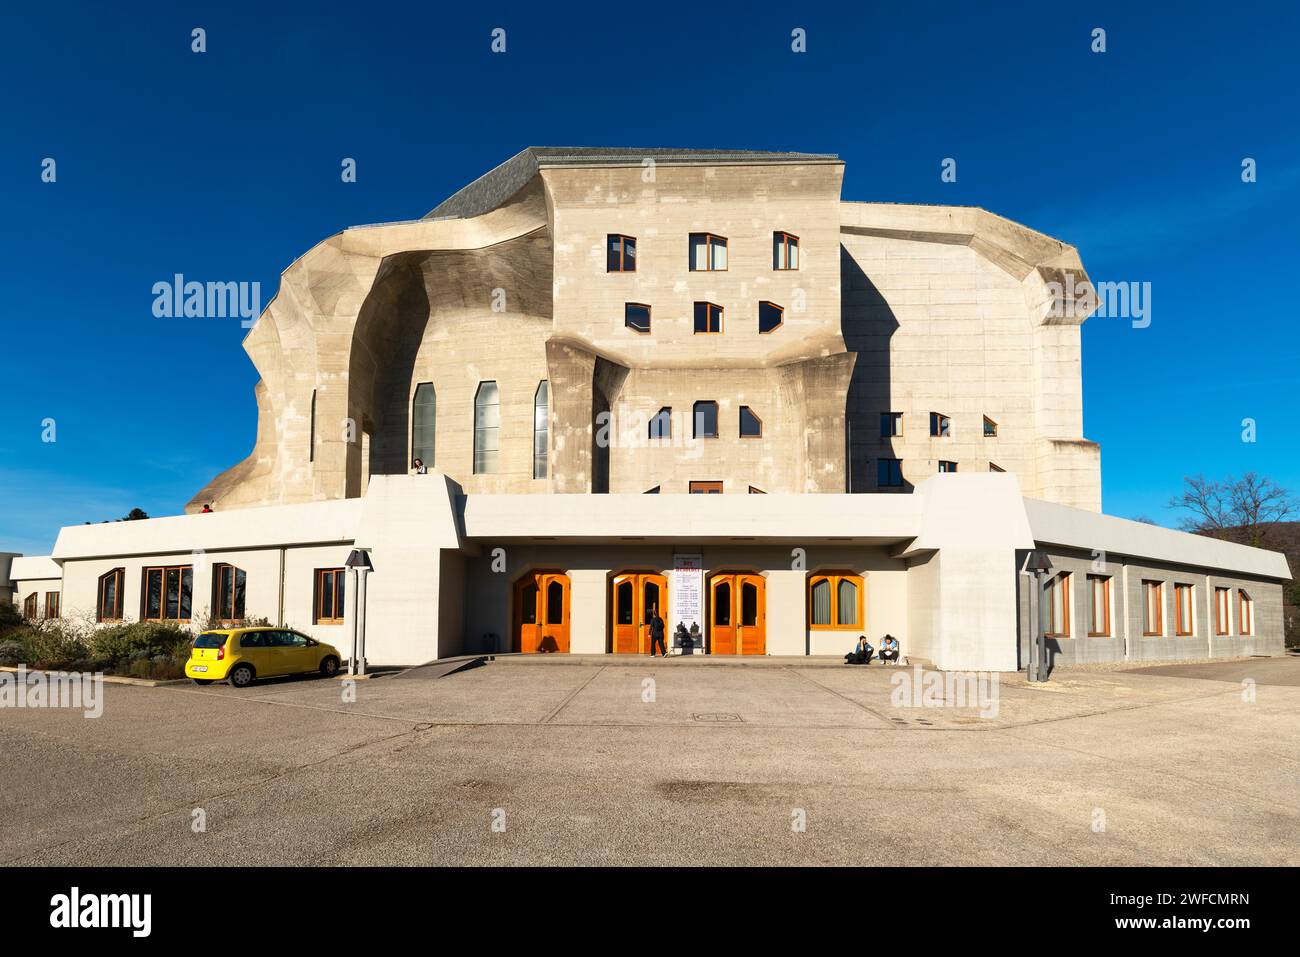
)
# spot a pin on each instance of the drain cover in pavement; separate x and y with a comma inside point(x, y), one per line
point(716, 716)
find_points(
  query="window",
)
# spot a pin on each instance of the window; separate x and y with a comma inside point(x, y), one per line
point(651, 491)
point(1056, 606)
point(1245, 613)
point(755, 490)
point(620, 253)
point(994, 467)
point(1153, 616)
point(706, 488)
point(708, 252)
point(706, 420)
point(1222, 611)
point(168, 593)
point(423, 413)
point(1099, 606)
point(990, 428)
point(785, 251)
point(1182, 610)
point(541, 428)
point(940, 425)
point(487, 428)
point(51, 604)
point(636, 316)
point(891, 424)
point(751, 426)
point(108, 603)
point(947, 466)
point(311, 436)
point(835, 601)
point(331, 590)
point(708, 318)
point(770, 316)
point(29, 606)
point(661, 424)
point(228, 588)
point(889, 473)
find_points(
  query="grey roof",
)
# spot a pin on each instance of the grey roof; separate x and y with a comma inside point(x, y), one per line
point(496, 186)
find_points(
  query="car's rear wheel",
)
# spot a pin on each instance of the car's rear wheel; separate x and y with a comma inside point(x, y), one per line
point(241, 676)
point(203, 681)
point(329, 666)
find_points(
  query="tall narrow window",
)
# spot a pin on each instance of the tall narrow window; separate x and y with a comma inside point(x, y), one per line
point(990, 428)
point(228, 589)
point(1245, 613)
point(51, 604)
point(167, 593)
point(889, 473)
point(940, 425)
point(1056, 606)
point(1222, 611)
point(708, 318)
point(541, 429)
point(1153, 616)
point(424, 409)
point(751, 426)
point(1182, 610)
point(706, 420)
point(29, 607)
point(620, 253)
point(661, 424)
point(331, 593)
point(636, 316)
point(770, 316)
point(891, 424)
point(1099, 607)
point(708, 252)
point(487, 428)
point(835, 601)
point(785, 251)
point(311, 437)
point(108, 604)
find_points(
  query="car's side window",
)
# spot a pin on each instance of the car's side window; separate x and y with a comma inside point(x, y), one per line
point(278, 639)
point(295, 639)
point(252, 639)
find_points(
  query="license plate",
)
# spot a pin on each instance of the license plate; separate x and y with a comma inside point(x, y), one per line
point(198, 667)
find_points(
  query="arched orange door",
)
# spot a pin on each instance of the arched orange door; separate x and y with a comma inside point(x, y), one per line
point(738, 619)
point(633, 596)
point(542, 613)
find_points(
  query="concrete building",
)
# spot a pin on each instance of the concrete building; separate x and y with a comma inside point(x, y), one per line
point(887, 397)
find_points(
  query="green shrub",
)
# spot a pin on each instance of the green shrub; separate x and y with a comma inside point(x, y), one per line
point(52, 643)
point(122, 644)
point(12, 652)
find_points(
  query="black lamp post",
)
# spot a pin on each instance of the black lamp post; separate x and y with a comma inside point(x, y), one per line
point(1041, 566)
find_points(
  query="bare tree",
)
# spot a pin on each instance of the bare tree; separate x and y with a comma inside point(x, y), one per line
point(1244, 509)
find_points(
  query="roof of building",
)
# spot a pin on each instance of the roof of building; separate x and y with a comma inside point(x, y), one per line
point(497, 185)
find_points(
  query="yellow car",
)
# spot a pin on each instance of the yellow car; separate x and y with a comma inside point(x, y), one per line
point(242, 655)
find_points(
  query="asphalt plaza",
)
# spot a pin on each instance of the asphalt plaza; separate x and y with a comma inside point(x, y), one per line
point(643, 761)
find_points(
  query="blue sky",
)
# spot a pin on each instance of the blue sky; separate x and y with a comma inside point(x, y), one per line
point(225, 166)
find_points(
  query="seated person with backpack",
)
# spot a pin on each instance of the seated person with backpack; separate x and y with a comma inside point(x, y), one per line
point(889, 650)
point(861, 654)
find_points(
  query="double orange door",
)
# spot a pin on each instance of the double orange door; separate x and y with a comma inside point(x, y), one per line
point(542, 613)
point(738, 614)
point(635, 596)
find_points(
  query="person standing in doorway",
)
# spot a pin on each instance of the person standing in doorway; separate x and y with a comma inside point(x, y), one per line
point(657, 632)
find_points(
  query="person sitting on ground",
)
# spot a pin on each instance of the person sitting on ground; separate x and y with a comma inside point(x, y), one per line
point(861, 654)
point(418, 465)
point(889, 650)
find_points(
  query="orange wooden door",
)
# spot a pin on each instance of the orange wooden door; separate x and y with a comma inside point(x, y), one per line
point(542, 613)
point(751, 614)
point(652, 590)
point(722, 620)
point(634, 596)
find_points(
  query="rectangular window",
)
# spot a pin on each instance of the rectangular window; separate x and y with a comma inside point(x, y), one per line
point(708, 318)
point(1056, 606)
point(168, 593)
point(836, 602)
point(620, 253)
point(541, 428)
point(29, 607)
point(708, 252)
point(706, 420)
point(1245, 613)
point(940, 425)
point(487, 428)
point(51, 604)
point(1222, 611)
point(636, 316)
point(228, 589)
point(1182, 610)
point(990, 428)
point(108, 603)
point(331, 591)
point(785, 251)
point(706, 488)
point(1099, 606)
point(889, 473)
point(947, 466)
point(1153, 614)
point(891, 424)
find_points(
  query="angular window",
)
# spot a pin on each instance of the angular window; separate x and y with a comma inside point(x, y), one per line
point(835, 601)
point(770, 316)
point(891, 424)
point(755, 490)
point(51, 604)
point(487, 428)
point(1056, 606)
point(228, 588)
point(994, 467)
point(947, 466)
point(424, 408)
point(29, 607)
point(1222, 611)
point(751, 426)
point(331, 593)
point(168, 593)
point(1245, 613)
point(990, 428)
point(651, 491)
point(785, 251)
point(708, 318)
point(940, 425)
point(620, 253)
point(889, 473)
point(1153, 616)
point(708, 252)
point(108, 604)
point(706, 420)
point(1099, 607)
point(636, 316)
point(661, 424)
point(541, 428)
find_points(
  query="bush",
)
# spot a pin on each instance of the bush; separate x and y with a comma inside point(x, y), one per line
point(12, 652)
point(11, 619)
point(126, 643)
point(52, 643)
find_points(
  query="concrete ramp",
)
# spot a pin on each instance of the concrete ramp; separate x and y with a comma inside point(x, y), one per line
point(445, 666)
